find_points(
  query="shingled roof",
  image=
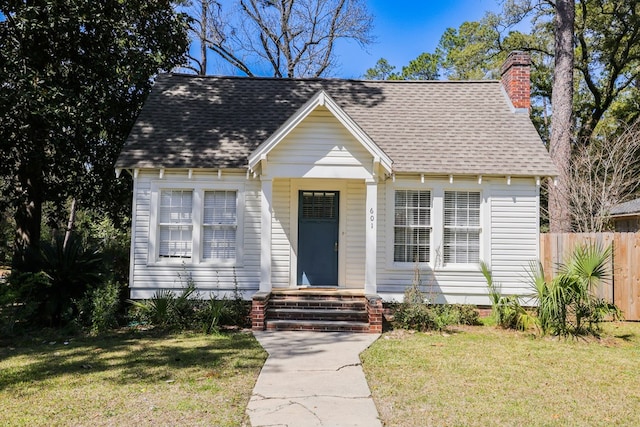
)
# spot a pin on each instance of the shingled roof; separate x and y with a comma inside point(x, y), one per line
point(628, 208)
point(432, 127)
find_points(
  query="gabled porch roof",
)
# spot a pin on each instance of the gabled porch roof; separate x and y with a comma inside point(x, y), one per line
point(320, 99)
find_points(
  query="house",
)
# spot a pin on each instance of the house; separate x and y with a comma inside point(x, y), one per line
point(625, 217)
point(291, 184)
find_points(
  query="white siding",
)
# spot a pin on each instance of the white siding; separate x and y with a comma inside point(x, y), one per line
point(354, 246)
point(319, 147)
point(515, 240)
point(281, 233)
point(509, 238)
point(509, 216)
point(148, 276)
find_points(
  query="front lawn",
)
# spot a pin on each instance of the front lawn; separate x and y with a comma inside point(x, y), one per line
point(486, 376)
point(132, 378)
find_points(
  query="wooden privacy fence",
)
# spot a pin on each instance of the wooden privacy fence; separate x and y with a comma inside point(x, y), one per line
point(624, 288)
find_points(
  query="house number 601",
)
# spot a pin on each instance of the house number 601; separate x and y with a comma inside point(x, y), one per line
point(372, 217)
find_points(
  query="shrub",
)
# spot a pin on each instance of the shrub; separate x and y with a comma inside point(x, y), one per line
point(568, 304)
point(104, 305)
point(19, 300)
point(507, 311)
point(63, 275)
point(188, 310)
point(417, 313)
point(213, 313)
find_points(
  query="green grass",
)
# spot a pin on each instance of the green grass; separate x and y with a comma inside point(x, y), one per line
point(479, 376)
point(133, 378)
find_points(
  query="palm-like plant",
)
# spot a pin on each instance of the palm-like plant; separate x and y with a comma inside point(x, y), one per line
point(506, 309)
point(568, 304)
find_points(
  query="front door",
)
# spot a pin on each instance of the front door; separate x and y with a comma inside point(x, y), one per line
point(318, 238)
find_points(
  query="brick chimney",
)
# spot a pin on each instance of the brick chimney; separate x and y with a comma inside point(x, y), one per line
point(516, 78)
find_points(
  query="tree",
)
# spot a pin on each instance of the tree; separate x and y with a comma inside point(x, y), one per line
point(381, 71)
point(74, 75)
point(472, 51)
point(607, 57)
point(603, 174)
point(285, 38)
point(204, 24)
point(562, 113)
point(424, 67)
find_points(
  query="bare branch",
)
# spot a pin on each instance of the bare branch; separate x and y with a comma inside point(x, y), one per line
point(295, 38)
point(603, 174)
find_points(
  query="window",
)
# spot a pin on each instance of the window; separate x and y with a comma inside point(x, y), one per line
point(412, 226)
point(219, 225)
point(461, 227)
point(196, 224)
point(175, 223)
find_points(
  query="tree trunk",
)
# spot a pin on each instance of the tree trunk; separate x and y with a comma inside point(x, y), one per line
point(204, 26)
point(71, 224)
point(28, 215)
point(562, 109)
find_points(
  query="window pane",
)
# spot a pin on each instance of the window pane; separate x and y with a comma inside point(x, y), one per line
point(219, 207)
point(401, 216)
point(462, 222)
point(412, 231)
point(220, 224)
point(175, 229)
point(319, 204)
point(175, 241)
point(219, 243)
point(175, 206)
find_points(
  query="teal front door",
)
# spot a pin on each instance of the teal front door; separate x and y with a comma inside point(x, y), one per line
point(318, 238)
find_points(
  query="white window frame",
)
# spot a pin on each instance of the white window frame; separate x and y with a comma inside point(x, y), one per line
point(390, 212)
point(181, 225)
point(477, 228)
point(428, 227)
point(219, 226)
point(198, 189)
point(438, 186)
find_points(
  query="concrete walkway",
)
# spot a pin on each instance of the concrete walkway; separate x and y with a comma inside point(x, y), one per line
point(312, 379)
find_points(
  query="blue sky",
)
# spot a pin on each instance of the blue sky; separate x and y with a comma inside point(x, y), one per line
point(406, 28)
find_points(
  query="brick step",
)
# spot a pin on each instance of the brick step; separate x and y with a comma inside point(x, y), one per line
point(317, 314)
point(317, 325)
point(360, 304)
point(315, 297)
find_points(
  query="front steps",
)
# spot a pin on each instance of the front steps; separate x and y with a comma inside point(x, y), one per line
point(313, 309)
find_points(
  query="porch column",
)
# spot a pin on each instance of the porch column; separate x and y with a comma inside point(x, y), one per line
point(265, 237)
point(371, 238)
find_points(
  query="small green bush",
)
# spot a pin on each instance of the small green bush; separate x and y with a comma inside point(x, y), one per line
point(568, 304)
point(19, 300)
point(417, 313)
point(188, 310)
point(104, 306)
point(507, 312)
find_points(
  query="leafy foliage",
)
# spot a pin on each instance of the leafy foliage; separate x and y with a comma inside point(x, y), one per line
point(80, 282)
point(63, 275)
point(74, 75)
point(506, 310)
point(100, 308)
point(568, 304)
point(188, 310)
point(417, 313)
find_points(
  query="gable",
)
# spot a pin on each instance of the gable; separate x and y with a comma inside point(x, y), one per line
point(334, 120)
point(320, 147)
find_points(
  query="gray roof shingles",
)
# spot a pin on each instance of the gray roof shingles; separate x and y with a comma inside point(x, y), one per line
point(628, 208)
point(432, 127)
